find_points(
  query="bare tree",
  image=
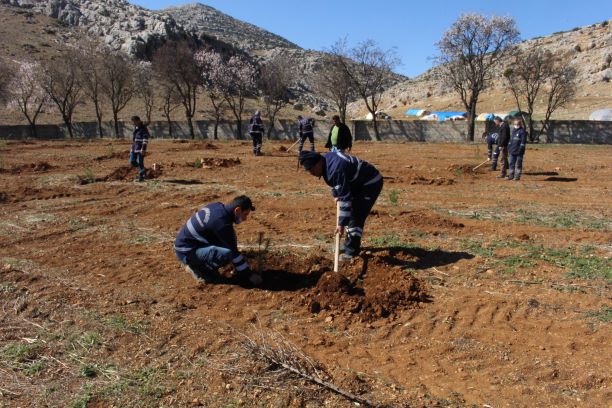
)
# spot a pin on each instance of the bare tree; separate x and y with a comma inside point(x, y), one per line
point(119, 84)
point(561, 89)
point(214, 70)
point(170, 101)
point(369, 69)
point(236, 85)
point(535, 72)
point(333, 83)
point(27, 94)
point(6, 75)
point(145, 87)
point(275, 77)
point(62, 85)
point(176, 64)
point(91, 76)
point(469, 52)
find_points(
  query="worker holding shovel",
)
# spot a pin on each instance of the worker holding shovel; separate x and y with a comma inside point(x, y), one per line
point(356, 184)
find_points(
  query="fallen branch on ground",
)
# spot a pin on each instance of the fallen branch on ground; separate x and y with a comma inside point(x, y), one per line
point(274, 349)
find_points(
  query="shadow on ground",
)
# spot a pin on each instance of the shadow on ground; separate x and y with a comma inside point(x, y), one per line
point(183, 182)
point(561, 179)
point(419, 258)
point(540, 173)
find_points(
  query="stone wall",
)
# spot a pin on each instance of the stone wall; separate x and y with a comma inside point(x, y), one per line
point(561, 131)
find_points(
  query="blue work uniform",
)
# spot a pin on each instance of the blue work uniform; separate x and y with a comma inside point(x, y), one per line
point(516, 149)
point(208, 241)
point(306, 131)
point(140, 139)
point(256, 130)
point(356, 184)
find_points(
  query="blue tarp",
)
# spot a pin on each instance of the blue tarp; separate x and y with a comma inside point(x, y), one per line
point(414, 112)
point(442, 116)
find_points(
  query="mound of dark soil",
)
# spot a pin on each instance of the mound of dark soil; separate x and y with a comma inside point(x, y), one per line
point(438, 181)
point(38, 167)
point(368, 289)
point(210, 162)
point(466, 170)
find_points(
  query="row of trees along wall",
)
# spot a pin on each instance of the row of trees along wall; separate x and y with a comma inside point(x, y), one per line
point(177, 74)
point(470, 55)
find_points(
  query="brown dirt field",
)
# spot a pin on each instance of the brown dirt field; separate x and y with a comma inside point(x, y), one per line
point(471, 291)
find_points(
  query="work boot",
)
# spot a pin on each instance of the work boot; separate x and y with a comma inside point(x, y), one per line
point(501, 176)
point(204, 276)
point(517, 178)
point(347, 257)
point(196, 275)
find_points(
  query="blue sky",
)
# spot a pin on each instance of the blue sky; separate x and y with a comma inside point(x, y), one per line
point(413, 27)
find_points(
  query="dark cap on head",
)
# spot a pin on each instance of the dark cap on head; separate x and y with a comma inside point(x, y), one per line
point(498, 119)
point(136, 118)
point(309, 159)
point(243, 202)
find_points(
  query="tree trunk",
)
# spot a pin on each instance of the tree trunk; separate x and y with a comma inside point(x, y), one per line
point(269, 131)
point(68, 123)
point(472, 120)
point(116, 122)
point(239, 129)
point(190, 123)
point(216, 130)
point(342, 111)
point(375, 122)
point(532, 136)
point(33, 132)
point(99, 118)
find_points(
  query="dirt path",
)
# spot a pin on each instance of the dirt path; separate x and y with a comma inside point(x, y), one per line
point(472, 291)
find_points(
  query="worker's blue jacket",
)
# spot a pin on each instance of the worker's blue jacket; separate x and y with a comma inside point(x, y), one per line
point(518, 140)
point(347, 175)
point(213, 225)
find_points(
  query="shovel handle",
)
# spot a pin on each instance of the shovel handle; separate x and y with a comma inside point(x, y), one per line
point(337, 247)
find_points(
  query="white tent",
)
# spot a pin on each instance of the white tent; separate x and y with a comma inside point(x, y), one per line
point(601, 114)
point(431, 116)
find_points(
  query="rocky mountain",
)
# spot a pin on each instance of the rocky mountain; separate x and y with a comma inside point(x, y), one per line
point(588, 49)
point(117, 23)
point(203, 19)
point(138, 32)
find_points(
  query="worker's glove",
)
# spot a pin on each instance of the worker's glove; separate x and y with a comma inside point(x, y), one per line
point(255, 279)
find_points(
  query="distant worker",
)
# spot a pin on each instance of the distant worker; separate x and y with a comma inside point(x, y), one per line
point(492, 148)
point(256, 130)
point(355, 184)
point(306, 130)
point(140, 139)
point(503, 132)
point(516, 149)
point(208, 242)
point(339, 138)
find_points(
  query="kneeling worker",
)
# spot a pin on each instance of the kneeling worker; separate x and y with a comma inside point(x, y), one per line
point(355, 183)
point(208, 242)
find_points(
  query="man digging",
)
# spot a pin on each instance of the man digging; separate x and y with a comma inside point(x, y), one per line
point(208, 242)
point(355, 184)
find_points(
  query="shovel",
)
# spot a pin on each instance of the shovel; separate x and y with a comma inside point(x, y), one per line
point(481, 164)
point(337, 246)
point(291, 147)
